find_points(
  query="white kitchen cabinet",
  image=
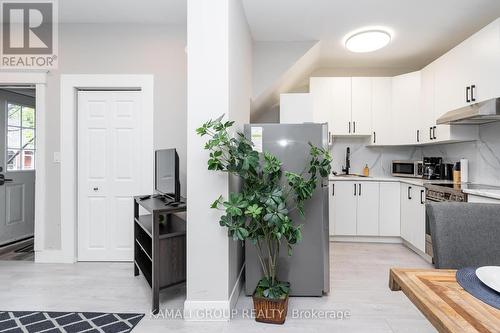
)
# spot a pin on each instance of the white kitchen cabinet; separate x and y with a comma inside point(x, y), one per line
point(361, 116)
point(343, 102)
point(427, 100)
point(464, 74)
point(405, 108)
point(429, 131)
point(390, 209)
point(367, 221)
point(381, 111)
point(354, 208)
point(484, 55)
point(320, 89)
point(343, 208)
point(296, 108)
point(341, 105)
point(413, 215)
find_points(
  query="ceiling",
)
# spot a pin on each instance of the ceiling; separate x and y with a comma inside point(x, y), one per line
point(422, 30)
point(123, 11)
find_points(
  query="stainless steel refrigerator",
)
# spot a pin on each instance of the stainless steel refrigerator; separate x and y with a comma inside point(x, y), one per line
point(308, 268)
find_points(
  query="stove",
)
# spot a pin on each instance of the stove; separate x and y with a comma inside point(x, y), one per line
point(442, 192)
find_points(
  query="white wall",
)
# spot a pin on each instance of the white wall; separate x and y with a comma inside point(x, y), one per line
point(219, 82)
point(240, 94)
point(120, 49)
point(272, 59)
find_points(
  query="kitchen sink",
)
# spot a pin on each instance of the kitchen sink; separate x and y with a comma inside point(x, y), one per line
point(351, 175)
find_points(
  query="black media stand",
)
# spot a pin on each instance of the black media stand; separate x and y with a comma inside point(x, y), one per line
point(159, 243)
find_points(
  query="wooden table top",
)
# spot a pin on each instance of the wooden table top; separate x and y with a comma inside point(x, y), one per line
point(450, 308)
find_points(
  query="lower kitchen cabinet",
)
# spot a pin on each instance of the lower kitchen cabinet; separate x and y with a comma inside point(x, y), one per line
point(354, 208)
point(413, 215)
point(367, 221)
point(343, 208)
point(390, 209)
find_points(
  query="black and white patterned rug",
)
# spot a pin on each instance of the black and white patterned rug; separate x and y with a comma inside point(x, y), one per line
point(67, 322)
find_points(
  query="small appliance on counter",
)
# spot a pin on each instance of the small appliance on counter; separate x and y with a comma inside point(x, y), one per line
point(432, 167)
point(412, 169)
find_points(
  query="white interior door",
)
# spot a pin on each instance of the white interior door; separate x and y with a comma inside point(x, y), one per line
point(109, 173)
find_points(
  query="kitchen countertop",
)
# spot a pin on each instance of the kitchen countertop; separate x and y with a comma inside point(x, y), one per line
point(411, 181)
point(487, 191)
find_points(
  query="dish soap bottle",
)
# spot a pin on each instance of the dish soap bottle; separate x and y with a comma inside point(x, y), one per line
point(366, 171)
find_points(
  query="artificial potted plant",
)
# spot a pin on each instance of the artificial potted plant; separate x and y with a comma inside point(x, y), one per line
point(260, 211)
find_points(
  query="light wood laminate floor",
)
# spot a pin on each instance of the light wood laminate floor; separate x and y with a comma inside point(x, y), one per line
point(359, 284)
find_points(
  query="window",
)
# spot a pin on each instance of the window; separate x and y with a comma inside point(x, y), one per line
point(20, 137)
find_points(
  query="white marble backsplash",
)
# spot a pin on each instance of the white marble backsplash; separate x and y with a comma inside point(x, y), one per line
point(483, 155)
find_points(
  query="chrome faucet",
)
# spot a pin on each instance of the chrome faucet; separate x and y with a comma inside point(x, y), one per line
point(347, 161)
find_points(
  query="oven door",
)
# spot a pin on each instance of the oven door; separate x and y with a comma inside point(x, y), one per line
point(428, 237)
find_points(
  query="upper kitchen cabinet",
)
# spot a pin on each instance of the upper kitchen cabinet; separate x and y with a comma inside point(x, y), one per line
point(427, 101)
point(465, 74)
point(344, 102)
point(361, 115)
point(381, 111)
point(484, 55)
point(296, 108)
point(340, 99)
point(320, 89)
point(406, 108)
point(429, 131)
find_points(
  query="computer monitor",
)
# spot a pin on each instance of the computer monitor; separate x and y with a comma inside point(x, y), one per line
point(167, 174)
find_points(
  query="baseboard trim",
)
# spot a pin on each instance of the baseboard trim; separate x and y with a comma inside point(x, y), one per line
point(53, 257)
point(366, 239)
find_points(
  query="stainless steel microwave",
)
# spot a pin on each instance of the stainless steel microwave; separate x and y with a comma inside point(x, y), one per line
point(413, 169)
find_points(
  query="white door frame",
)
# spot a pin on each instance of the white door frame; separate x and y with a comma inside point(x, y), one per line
point(70, 84)
point(39, 80)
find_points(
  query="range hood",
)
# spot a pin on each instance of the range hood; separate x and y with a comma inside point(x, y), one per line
point(475, 114)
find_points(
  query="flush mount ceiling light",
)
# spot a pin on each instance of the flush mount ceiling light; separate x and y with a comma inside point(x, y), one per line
point(367, 41)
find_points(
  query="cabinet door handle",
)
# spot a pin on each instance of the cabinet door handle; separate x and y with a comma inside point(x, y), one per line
point(349, 127)
point(418, 135)
point(472, 88)
point(354, 125)
point(430, 133)
point(355, 187)
point(359, 192)
point(422, 197)
point(333, 190)
point(374, 137)
point(409, 192)
point(434, 137)
point(467, 92)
